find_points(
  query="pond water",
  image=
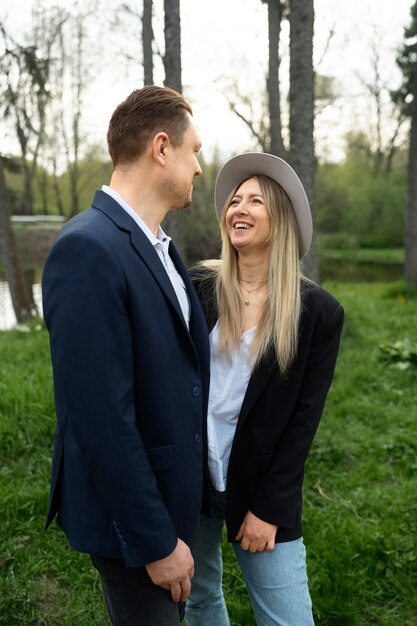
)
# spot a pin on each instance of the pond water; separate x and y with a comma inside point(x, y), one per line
point(347, 271)
point(330, 269)
point(7, 316)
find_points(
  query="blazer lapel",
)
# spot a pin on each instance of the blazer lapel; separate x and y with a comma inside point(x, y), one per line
point(106, 204)
point(257, 382)
point(198, 326)
point(149, 255)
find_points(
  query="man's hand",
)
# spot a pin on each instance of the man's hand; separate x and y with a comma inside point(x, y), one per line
point(174, 572)
point(256, 535)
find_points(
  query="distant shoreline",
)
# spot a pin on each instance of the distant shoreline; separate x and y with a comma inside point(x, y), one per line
point(34, 241)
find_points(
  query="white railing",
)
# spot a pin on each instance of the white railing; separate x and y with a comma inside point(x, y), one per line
point(37, 219)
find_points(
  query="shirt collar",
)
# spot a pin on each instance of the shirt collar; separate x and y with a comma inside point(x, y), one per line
point(161, 237)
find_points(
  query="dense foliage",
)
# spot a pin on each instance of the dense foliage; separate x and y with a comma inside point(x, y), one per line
point(357, 202)
point(356, 205)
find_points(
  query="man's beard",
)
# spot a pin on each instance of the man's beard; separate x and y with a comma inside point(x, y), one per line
point(182, 202)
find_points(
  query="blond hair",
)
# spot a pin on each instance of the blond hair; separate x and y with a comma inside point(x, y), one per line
point(279, 322)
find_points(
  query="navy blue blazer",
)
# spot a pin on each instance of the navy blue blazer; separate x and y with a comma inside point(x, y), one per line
point(131, 386)
point(279, 416)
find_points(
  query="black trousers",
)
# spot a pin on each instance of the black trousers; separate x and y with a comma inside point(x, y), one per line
point(132, 599)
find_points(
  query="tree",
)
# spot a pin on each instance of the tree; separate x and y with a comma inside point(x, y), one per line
point(276, 145)
point(69, 79)
point(257, 121)
point(24, 93)
point(384, 138)
point(21, 301)
point(25, 96)
point(73, 71)
point(265, 124)
point(411, 209)
point(302, 108)
point(147, 40)
point(268, 134)
point(172, 64)
point(172, 57)
point(407, 95)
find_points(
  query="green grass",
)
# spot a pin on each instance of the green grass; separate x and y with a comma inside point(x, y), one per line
point(361, 487)
point(360, 495)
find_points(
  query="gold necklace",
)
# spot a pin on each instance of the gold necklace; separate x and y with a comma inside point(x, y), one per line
point(248, 291)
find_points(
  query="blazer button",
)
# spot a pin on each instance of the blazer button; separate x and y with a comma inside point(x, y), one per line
point(197, 438)
point(196, 391)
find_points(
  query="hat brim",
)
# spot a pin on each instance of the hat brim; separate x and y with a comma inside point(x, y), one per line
point(243, 166)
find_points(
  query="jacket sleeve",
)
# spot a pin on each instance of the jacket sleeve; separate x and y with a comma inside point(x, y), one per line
point(277, 498)
point(85, 297)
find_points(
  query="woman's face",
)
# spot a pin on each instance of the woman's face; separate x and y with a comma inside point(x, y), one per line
point(247, 221)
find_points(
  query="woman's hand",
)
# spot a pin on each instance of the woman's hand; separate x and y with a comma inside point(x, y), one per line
point(256, 535)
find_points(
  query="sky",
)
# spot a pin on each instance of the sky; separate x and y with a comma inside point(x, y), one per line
point(224, 43)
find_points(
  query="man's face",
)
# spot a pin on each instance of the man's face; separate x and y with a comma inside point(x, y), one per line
point(183, 167)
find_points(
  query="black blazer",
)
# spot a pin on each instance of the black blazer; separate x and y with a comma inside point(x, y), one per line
point(131, 386)
point(279, 417)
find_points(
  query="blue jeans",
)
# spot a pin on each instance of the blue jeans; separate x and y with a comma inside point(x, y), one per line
point(276, 581)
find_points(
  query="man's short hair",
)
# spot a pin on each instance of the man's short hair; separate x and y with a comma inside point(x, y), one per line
point(143, 114)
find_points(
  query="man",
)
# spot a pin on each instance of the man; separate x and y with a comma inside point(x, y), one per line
point(130, 360)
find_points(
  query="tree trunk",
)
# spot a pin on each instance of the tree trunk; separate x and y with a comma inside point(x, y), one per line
point(43, 188)
point(147, 40)
point(79, 88)
point(27, 204)
point(410, 238)
point(172, 64)
point(302, 109)
point(272, 83)
point(56, 187)
point(172, 58)
point(14, 275)
point(73, 178)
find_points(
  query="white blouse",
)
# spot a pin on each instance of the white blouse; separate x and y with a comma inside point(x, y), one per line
point(228, 383)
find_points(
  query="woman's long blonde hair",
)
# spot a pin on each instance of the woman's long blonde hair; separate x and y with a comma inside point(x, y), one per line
point(279, 322)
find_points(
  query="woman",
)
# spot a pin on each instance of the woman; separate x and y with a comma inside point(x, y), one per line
point(274, 339)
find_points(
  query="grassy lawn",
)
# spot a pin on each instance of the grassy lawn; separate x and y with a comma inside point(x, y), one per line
point(360, 496)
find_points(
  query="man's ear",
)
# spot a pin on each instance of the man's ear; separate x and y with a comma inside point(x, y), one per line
point(159, 145)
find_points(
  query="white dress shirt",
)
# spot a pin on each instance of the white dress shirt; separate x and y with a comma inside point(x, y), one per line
point(229, 379)
point(161, 245)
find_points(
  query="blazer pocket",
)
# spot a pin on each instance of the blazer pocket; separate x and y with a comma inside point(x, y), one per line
point(161, 458)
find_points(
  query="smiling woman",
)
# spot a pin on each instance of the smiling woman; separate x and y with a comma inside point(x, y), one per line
point(268, 387)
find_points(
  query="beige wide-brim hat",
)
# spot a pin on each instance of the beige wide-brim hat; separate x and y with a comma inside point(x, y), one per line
point(244, 166)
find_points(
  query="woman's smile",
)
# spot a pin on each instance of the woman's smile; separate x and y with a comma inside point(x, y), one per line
point(247, 218)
